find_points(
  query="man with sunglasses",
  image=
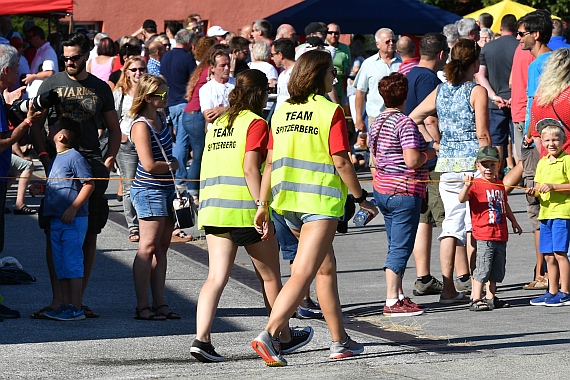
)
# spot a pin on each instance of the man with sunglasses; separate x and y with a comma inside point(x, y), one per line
point(89, 100)
point(239, 55)
point(468, 28)
point(341, 60)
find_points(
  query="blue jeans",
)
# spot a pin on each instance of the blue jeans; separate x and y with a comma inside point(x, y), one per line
point(287, 241)
point(194, 125)
point(127, 160)
point(182, 146)
point(401, 218)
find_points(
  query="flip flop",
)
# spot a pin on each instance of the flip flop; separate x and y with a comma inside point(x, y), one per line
point(459, 298)
point(25, 210)
point(39, 314)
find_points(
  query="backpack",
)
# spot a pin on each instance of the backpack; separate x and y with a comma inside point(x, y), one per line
point(10, 275)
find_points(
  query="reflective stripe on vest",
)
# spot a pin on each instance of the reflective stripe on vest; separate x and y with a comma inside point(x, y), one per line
point(225, 200)
point(303, 177)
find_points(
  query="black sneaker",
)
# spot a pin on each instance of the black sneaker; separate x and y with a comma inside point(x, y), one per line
point(205, 352)
point(8, 313)
point(298, 339)
point(497, 303)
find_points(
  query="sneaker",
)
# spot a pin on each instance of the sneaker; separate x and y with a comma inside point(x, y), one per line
point(411, 303)
point(6, 312)
point(309, 310)
point(559, 299)
point(205, 352)
point(402, 309)
point(268, 349)
point(434, 286)
point(298, 339)
point(539, 301)
point(497, 303)
point(346, 349)
point(463, 286)
point(55, 312)
point(70, 314)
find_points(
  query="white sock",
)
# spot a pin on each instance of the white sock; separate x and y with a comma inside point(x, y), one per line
point(391, 301)
point(401, 297)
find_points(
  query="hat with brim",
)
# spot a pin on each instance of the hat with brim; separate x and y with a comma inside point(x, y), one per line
point(217, 31)
point(315, 27)
point(488, 153)
point(546, 123)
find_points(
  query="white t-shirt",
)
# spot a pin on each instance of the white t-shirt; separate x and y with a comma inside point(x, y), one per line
point(47, 59)
point(282, 82)
point(215, 94)
point(266, 68)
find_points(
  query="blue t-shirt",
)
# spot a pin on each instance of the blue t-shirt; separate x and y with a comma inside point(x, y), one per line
point(6, 155)
point(60, 193)
point(557, 42)
point(534, 70)
point(421, 82)
point(176, 66)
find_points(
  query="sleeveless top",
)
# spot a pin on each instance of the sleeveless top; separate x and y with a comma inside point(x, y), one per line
point(102, 71)
point(146, 179)
point(459, 145)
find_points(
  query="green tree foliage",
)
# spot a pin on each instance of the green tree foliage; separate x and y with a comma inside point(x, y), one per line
point(463, 7)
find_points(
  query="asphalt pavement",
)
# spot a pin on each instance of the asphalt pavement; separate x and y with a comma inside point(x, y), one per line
point(447, 342)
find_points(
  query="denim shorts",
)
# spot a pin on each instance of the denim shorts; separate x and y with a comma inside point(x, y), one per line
point(67, 246)
point(152, 202)
point(550, 228)
point(491, 261)
point(295, 220)
point(288, 242)
point(457, 220)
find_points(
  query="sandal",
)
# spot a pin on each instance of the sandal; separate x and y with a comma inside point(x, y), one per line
point(151, 317)
point(479, 305)
point(25, 210)
point(89, 313)
point(180, 237)
point(170, 315)
point(540, 283)
point(40, 314)
point(134, 236)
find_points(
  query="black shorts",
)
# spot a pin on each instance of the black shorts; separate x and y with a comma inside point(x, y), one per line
point(242, 236)
point(98, 204)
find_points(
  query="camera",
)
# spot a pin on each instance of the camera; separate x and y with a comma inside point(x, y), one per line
point(19, 109)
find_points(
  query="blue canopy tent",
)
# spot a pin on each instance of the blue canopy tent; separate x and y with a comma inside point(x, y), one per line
point(367, 16)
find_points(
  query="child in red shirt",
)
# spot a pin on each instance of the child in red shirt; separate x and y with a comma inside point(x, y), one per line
point(488, 203)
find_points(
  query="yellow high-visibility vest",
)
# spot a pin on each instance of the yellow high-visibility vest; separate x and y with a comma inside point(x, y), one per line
point(225, 200)
point(304, 178)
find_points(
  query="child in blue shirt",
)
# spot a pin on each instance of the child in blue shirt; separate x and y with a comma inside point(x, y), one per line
point(68, 188)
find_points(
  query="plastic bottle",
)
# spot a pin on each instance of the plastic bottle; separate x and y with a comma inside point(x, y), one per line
point(361, 217)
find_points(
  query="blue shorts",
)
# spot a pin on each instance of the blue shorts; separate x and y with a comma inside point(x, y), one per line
point(288, 242)
point(500, 126)
point(295, 220)
point(550, 228)
point(152, 202)
point(67, 246)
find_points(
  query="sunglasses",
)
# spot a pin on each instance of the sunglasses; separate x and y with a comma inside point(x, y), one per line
point(139, 69)
point(333, 33)
point(388, 42)
point(73, 58)
point(162, 96)
point(522, 34)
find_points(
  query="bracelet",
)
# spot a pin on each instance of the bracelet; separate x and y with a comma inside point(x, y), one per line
point(362, 197)
point(28, 121)
point(494, 98)
point(40, 154)
point(261, 203)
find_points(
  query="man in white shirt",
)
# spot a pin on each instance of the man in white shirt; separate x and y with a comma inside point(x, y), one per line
point(214, 94)
point(283, 53)
point(44, 64)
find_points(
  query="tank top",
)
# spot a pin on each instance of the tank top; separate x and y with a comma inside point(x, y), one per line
point(102, 71)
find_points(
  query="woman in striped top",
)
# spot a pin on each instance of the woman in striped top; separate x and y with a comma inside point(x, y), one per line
point(152, 193)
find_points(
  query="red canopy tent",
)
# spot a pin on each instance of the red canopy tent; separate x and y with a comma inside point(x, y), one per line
point(35, 7)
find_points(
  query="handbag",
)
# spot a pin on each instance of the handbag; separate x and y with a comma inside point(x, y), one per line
point(183, 207)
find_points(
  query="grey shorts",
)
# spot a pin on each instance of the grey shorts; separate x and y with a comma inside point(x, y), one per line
point(18, 165)
point(530, 158)
point(491, 261)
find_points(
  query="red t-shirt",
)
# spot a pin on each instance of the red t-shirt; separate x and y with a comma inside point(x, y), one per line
point(338, 137)
point(561, 104)
point(257, 137)
point(519, 73)
point(194, 103)
point(487, 201)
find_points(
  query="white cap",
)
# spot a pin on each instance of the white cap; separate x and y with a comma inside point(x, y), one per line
point(216, 31)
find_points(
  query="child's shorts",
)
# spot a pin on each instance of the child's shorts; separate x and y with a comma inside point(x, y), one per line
point(67, 246)
point(491, 261)
point(550, 228)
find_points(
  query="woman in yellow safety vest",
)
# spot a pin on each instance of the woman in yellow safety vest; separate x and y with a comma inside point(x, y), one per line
point(308, 171)
point(235, 148)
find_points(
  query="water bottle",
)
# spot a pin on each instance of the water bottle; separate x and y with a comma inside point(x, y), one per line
point(361, 217)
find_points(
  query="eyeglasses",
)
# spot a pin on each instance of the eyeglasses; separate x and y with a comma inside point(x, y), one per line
point(274, 54)
point(333, 33)
point(139, 69)
point(388, 42)
point(522, 34)
point(162, 96)
point(73, 58)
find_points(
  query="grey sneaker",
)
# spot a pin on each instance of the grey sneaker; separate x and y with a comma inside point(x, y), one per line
point(434, 286)
point(463, 286)
point(298, 339)
point(346, 349)
point(268, 349)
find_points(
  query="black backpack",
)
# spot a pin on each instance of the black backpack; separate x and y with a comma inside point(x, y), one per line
point(15, 276)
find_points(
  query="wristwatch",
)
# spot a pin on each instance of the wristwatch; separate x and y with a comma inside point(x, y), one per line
point(362, 197)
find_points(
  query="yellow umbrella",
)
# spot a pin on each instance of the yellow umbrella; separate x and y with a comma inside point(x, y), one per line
point(500, 9)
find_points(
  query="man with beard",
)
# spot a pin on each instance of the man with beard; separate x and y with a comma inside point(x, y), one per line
point(86, 99)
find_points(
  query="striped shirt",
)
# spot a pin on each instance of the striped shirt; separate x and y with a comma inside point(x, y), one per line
point(389, 135)
point(146, 179)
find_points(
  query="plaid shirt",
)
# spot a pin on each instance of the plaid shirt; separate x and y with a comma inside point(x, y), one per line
point(153, 66)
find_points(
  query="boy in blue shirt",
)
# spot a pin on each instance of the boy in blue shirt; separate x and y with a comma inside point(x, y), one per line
point(68, 188)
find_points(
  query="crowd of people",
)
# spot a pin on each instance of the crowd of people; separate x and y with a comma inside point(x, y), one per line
point(266, 135)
